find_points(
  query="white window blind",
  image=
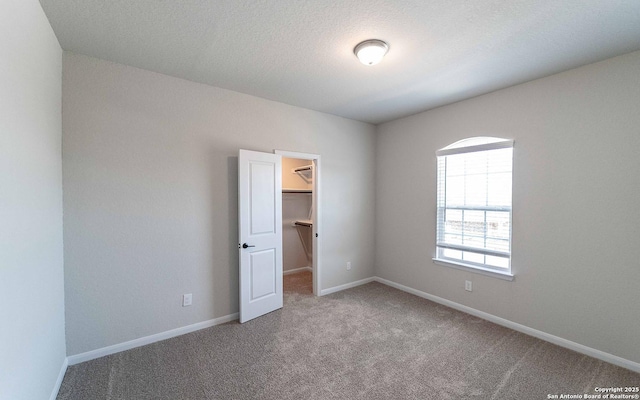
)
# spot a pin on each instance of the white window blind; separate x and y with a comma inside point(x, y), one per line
point(474, 203)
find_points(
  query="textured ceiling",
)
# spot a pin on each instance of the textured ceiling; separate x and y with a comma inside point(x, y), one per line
point(301, 52)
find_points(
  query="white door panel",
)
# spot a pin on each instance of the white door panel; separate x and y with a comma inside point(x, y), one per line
point(262, 274)
point(260, 233)
point(262, 198)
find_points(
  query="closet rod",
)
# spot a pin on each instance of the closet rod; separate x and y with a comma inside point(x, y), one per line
point(286, 190)
point(303, 168)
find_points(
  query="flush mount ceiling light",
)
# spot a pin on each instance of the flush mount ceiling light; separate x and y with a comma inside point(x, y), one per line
point(370, 52)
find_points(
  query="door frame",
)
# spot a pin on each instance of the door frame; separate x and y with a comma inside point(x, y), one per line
point(317, 213)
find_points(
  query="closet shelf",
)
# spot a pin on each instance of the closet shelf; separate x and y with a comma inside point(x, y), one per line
point(284, 190)
point(304, 222)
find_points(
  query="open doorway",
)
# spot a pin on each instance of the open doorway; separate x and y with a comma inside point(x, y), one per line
point(300, 219)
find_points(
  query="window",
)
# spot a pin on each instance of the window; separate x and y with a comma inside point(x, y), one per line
point(474, 204)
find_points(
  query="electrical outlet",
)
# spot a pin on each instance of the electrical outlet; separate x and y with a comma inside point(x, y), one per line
point(187, 299)
point(348, 265)
point(467, 286)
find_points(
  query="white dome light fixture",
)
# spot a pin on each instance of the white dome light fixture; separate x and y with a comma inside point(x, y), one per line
point(370, 52)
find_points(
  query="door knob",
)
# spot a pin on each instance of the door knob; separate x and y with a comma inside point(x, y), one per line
point(244, 245)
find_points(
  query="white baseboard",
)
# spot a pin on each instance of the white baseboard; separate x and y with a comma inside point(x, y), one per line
point(116, 348)
point(349, 285)
point(56, 387)
point(105, 351)
point(600, 355)
point(293, 271)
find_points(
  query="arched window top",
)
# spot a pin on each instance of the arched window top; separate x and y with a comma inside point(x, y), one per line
point(478, 143)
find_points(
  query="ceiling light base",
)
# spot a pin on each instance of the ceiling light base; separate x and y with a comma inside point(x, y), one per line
point(370, 52)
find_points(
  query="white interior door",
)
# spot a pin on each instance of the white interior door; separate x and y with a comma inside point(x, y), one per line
point(260, 232)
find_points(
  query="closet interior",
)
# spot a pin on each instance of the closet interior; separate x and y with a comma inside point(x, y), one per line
point(297, 221)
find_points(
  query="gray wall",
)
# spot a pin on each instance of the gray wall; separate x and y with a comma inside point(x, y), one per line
point(150, 210)
point(32, 346)
point(576, 191)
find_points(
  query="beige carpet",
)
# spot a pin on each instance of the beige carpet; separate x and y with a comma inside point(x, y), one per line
point(370, 342)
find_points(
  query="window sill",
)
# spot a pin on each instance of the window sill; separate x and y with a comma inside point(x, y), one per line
point(478, 270)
